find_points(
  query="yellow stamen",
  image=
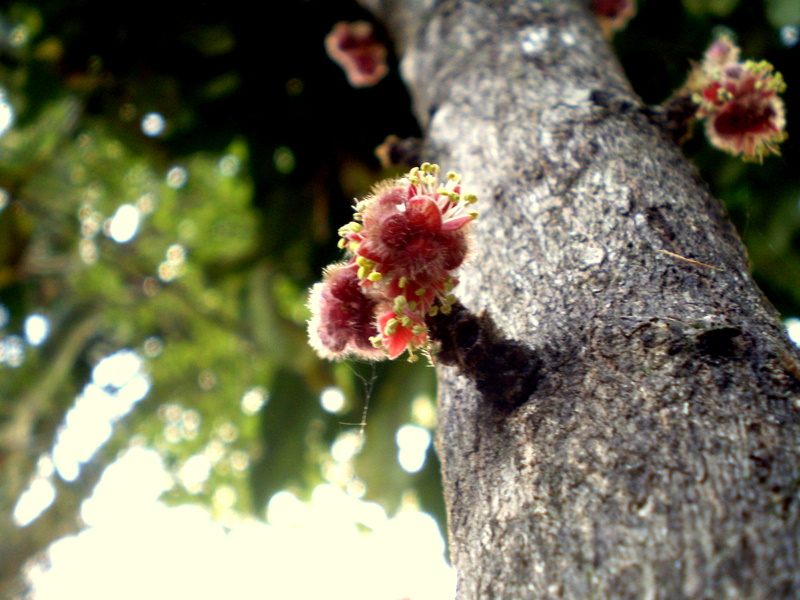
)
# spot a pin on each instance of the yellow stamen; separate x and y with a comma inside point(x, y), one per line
point(391, 327)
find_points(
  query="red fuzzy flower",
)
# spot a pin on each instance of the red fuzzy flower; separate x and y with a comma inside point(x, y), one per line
point(405, 242)
point(354, 47)
point(409, 236)
point(343, 317)
point(744, 115)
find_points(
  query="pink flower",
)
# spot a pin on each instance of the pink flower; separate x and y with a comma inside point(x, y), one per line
point(343, 316)
point(744, 115)
point(404, 244)
point(354, 47)
point(410, 235)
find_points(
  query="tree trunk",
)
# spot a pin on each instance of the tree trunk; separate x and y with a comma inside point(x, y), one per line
point(657, 456)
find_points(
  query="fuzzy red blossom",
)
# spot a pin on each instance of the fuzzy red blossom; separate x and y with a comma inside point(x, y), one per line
point(409, 235)
point(739, 101)
point(407, 238)
point(613, 15)
point(343, 317)
point(354, 47)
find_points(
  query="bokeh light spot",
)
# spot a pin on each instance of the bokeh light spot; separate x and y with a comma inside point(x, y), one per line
point(34, 501)
point(229, 165)
point(153, 346)
point(227, 432)
point(332, 399)
point(412, 443)
point(146, 203)
point(153, 124)
point(194, 473)
point(792, 325)
point(37, 328)
point(18, 36)
point(254, 399)
point(12, 351)
point(177, 177)
point(124, 224)
point(790, 35)
point(423, 411)
point(240, 461)
point(6, 113)
point(174, 262)
point(118, 383)
point(224, 497)
point(346, 446)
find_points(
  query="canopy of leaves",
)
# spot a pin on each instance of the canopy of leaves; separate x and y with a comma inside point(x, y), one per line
point(171, 182)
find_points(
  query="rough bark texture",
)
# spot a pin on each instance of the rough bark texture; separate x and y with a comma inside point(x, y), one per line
point(657, 456)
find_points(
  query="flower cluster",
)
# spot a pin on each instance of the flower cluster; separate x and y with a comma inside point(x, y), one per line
point(354, 47)
point(739, 101)
point(406, 239)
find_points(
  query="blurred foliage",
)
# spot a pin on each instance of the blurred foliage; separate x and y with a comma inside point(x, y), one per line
point(236, 197)
point(171, 184)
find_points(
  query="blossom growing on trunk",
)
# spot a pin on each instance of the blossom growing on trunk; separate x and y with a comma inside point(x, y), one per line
point(409, 235)
point(354, 47)
point(739, 101)
point(404, 243)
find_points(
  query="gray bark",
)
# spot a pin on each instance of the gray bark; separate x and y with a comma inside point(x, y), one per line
point(658, 455)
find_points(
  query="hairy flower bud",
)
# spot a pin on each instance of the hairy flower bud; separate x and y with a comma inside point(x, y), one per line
point(343, 317)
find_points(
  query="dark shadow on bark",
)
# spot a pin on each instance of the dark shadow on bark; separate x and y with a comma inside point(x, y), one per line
point(506, 372)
